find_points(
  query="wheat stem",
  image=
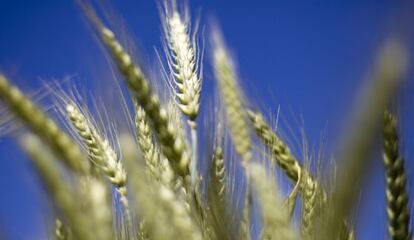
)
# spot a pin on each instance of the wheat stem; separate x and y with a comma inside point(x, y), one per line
point(194, 151)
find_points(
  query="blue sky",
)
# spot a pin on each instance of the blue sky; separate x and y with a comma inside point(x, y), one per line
point(309, 57)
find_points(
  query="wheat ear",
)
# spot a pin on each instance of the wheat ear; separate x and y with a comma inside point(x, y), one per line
point(388, 72)
point(96, 198)
point(166, 216)
point(397, 196)
point(310, 194)
point(57, 188)
point(233, 101)
point(183, 61)
point(220, 171)
point(276, 220)
point(58, 141)
point(100, 152)
point(61, 232)
point(173, 147)
point(145, 142)
point(158, 167)
point(142, 231)
point(280, 151)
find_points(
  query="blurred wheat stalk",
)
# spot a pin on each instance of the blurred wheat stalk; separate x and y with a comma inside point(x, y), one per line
point(166, 195)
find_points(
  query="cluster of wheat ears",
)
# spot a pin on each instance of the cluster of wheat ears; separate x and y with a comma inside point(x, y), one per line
point(148, 184)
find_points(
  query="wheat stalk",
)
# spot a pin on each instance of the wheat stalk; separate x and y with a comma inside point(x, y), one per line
point(59, 142)
point(397, 196)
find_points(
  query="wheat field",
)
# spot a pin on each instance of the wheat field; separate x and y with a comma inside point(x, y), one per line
point(152, 153)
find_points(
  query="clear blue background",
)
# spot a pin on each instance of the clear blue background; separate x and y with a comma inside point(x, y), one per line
point(308, 56)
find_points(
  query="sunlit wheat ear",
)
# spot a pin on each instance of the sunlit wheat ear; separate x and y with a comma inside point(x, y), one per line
point(57, 187)
point(311, 201)
point(142, 231)
point(232, 99)
point(354, 155)
point(220, 171)
point(183, 60)
point(95, 195)
point(59, 142)
point(165, 216)
point(158, 167)
point(145, 141)
point(100, 152)
point(61, 231)
point(280, 151)
point(290, 165)
point(397, 197)
point(173, 147)
point(276, 221)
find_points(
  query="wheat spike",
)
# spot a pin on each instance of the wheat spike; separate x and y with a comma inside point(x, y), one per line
point(142, 231)
point(57, 188)
point(145, 142)
point(233, 101)
point(100, 152)
point(220, 171)
point(276, 221)
point(310, 200)
point(183, 60)
point(95, 194)
point(173, 147)
point(397, 196)
point(59, 142)
point(166, 216)
point(61, 233)
point(280, 151)
point(387, 75)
